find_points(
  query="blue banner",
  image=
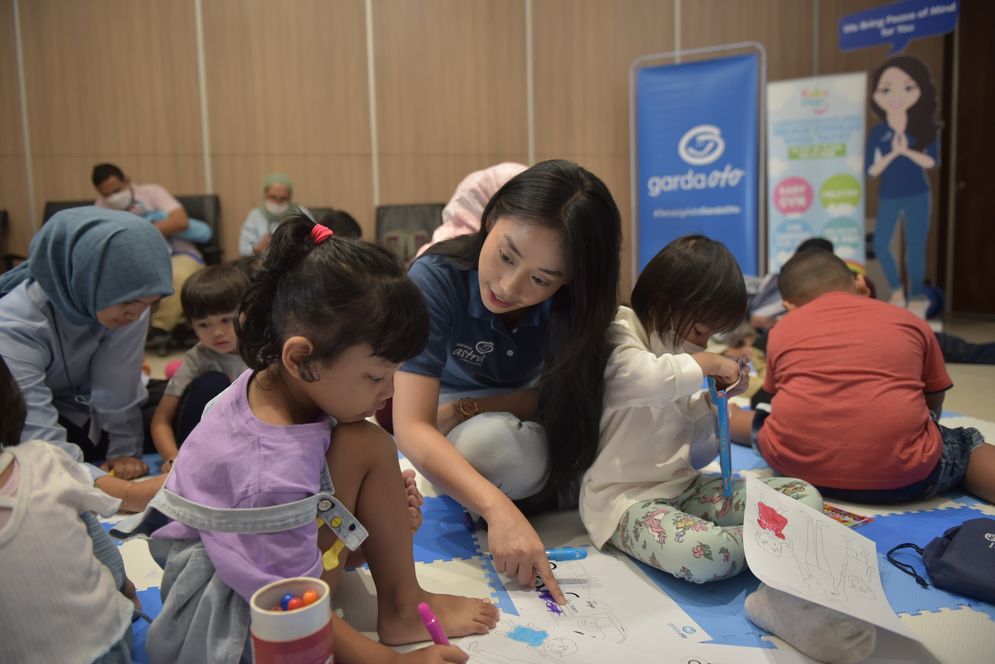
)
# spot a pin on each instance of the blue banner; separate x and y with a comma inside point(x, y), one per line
point(897, 24)
point(697, 155)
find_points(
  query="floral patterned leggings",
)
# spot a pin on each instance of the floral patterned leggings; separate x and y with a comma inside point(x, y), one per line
point(698, 536)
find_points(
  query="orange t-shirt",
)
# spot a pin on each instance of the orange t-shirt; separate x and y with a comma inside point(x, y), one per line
point(849, 376)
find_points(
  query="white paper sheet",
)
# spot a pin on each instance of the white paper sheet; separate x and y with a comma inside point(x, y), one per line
point(612, 609)
point(795, 549)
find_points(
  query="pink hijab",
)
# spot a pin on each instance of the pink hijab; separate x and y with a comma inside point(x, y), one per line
point(461, 216)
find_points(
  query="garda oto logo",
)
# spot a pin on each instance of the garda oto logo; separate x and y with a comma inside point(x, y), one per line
point(475, 354)
point(701, 145)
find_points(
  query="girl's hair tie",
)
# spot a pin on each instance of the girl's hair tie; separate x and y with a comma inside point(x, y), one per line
point(320, 233)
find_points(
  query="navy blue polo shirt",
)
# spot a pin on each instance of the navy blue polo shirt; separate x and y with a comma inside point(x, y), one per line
point(903, 177)
point(468, 346)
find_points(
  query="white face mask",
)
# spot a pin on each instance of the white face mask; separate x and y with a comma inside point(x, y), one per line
point(276, 208)
point(120, 200)
point(689, 347)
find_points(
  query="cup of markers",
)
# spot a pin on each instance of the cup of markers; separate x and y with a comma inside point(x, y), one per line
point(292, 622)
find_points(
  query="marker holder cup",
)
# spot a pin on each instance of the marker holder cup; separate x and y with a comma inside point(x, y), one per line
point(301, 636)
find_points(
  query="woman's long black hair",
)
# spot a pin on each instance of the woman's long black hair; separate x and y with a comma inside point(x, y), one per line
point(337, 294)
point(923, 125)
point(562, 195)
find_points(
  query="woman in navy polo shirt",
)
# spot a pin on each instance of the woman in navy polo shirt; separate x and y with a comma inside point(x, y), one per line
point(504, 402)
point(899, 151)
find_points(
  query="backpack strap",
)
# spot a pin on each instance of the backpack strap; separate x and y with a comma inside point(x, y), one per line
point(906, 567)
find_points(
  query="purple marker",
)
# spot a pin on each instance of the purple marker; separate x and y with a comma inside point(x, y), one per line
point(432, 625)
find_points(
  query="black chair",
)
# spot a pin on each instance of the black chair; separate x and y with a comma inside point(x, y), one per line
point(318, 212)
point(51, 207)
point(402, 229)
point(206, 207)
point(7, 261)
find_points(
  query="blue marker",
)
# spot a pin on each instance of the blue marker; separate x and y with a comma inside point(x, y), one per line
point(720, 404)
point(562, 553)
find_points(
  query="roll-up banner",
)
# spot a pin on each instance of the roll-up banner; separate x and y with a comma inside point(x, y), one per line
point(697, 160)
point(815, 165)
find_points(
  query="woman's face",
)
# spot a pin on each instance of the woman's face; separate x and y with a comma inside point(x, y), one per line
point(125, 313)
point(521, 264)
point(896, 90)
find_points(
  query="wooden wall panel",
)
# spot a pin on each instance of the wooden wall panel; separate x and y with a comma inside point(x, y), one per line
point(111, 79)
point(784, 27)
point(582, 55)
point(287, 92)
point(451, 92)
point(832, 60)
point(13, 170)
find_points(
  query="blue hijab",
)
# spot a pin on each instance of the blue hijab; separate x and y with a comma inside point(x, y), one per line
point(89, 258)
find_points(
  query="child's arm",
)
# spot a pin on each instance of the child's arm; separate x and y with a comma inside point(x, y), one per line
point(351, 647)
point(134, 496)
point(725, 370)
point(162, 430)
point(934, 401)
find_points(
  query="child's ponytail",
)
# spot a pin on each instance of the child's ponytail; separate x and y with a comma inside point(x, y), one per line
point(337, 292)
point(259, 343)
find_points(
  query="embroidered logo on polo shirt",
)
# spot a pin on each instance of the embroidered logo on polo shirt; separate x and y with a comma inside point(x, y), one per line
point(474, 355)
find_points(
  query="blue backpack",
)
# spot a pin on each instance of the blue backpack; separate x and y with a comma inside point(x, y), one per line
point(961, 561)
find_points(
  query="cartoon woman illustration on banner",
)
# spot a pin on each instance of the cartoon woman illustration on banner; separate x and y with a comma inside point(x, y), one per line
point(899, 151)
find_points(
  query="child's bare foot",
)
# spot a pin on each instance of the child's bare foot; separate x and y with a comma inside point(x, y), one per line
point(460, 616)
point(415, 499)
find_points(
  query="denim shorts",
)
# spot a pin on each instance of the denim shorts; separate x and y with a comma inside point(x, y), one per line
point(955, 454)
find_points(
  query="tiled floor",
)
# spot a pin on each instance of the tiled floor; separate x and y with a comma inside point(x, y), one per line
point(974, 384)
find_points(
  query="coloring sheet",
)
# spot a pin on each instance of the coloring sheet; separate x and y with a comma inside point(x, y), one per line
point(791, 547)
point(625, 614)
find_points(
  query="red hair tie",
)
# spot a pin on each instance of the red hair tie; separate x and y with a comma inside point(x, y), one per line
point(320, 233)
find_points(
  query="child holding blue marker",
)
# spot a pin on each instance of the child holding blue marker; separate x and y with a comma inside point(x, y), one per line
point(644, 492)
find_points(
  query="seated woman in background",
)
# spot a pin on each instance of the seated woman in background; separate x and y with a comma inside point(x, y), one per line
point(258, 227)
point(73, 319)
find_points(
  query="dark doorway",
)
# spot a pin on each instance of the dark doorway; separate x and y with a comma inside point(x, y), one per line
point(972, 291)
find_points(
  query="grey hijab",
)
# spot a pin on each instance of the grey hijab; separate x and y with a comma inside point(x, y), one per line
point(89, 258)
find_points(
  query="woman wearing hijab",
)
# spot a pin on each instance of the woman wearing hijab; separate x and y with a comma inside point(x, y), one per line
point(259, 225)
point(73, 319)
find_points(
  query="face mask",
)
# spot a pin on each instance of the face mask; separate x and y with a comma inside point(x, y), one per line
point(690, 348)
point(276, 208)
point(120, 200)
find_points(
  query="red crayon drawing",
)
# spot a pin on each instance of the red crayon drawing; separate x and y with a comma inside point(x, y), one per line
point(770, 520)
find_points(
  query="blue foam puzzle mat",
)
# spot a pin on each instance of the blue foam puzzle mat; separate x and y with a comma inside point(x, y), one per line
point(717, 607)
point(744, 458)
point(904, 594)
point(152, 605)
point(443, 534)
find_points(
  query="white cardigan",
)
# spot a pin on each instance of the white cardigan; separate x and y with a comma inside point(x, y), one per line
point(656, 428)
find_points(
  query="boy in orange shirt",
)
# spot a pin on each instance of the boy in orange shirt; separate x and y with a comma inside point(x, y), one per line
point(858, 387)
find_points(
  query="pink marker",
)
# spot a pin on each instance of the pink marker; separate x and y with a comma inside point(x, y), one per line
point(432, 625)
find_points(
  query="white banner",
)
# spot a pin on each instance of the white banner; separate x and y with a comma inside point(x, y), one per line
point(815, 165)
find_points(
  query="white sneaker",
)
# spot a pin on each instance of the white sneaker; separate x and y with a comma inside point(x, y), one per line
point(897, 298)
